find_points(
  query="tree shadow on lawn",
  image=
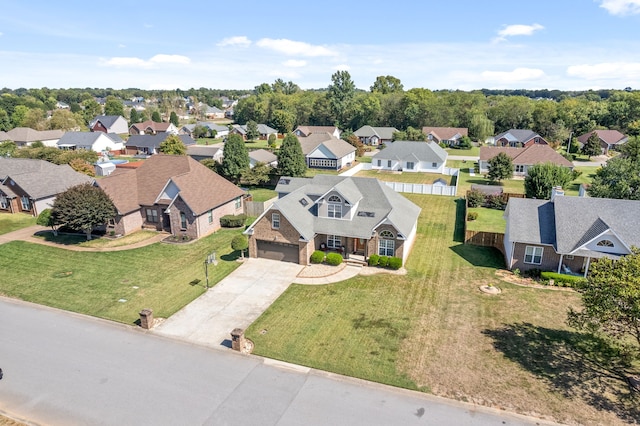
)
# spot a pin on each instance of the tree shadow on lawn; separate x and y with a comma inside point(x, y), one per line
point(458, 229)
point(575, 364)
point(488, 257)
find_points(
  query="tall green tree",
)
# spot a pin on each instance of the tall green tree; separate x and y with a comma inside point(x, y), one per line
point(113, 106)
point(592, 147)
point(411, 134)
point(64, 119)
point(91, 109)
point(500, 167)
point(173, 119)
point(155, 116)
point(611, 299)
point(341, 93)
point(5, 121)
point(235, 160)
point(82, 208)
point(19, 115)
point(387, 84)
point(252, 130)
point(631, 150)
point(541, 178)
point(619, 178)
point(134, 116)
point(291, 161)
point(257, 175)
point(173, 145)
point(283, 120)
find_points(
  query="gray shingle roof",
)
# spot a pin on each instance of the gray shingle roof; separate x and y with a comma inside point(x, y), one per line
point(381, 132)
point(337, 147)
point(262, 156)
point(412, 151)
point(517, 135)
point(154, 141)
point(106, 120)
point(370, 195)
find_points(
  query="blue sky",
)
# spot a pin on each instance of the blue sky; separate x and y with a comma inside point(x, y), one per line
point(454, 44)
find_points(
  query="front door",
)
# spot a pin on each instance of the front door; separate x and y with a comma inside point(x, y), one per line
point(358, 246)
point(166, 221)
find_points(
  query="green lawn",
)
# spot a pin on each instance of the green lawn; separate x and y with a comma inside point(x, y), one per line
point(363, 159)
point(12, 222)
point(489, 220)
point(262, 194)
point(93, 282)
point(408, 177)
point(588, 173)
point(433, 330)
point(208, 141)
point(97, 242)
point(473, 152)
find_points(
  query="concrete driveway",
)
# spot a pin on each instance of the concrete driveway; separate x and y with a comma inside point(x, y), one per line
point(235, 302)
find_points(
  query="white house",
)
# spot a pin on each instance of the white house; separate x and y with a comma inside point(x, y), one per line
point(91, 141)
point(408, 156)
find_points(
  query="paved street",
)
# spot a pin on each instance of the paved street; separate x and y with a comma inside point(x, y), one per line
point(68, 369)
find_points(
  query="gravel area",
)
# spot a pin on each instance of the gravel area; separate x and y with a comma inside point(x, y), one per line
point(320, 270)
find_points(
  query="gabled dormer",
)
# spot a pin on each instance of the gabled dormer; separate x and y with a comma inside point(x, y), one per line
point(340, 202)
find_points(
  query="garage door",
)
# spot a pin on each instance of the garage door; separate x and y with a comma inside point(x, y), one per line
point(278, 251)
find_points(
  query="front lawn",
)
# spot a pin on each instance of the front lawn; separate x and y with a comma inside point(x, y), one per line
point(12, 222)
point(163, 277)
point(408, 177)
point(97, 241)
point(433, 330)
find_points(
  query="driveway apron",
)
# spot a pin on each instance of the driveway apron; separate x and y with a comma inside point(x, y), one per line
point(235, 302)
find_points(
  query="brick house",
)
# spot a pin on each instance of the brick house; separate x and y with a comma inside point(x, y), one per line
point(518, 138)
point(357, 217)
point(109, 124)
point(171, 193)
point(609, 139)
point(522, 158)
point(448, 135)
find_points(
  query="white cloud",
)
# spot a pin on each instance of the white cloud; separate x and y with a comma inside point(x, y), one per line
point(621, 7)
point(606, 70)
point(121, 46)
point(518, 74)
point(291, 47)
point(517, 30)
point(295, 63)
point(341, 67)
point(241, 41)
point(133, 62)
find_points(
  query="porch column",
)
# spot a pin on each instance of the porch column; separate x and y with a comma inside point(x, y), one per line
point(560, 262)
point(586, 268)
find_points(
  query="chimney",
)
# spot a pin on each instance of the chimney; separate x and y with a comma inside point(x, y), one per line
point(556, 191)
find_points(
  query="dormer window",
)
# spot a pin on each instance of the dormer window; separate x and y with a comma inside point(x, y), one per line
point(334, 207)
point(605, 243)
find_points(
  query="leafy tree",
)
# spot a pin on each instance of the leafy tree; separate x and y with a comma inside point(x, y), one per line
point(592, 147)
point(283, 120)
point(541, 178)
point(155, 116)
point(291, 161)
point(235, 160)
point(356, 142)
point(173, 145)
point(18, 116)
point(64, 119)
point(341, 94)
point(200, 132)
point(91, 108)
point(240, 242)
point(411, 134)
point(387, 84)
point(631, 150)
point(5, 121)
point(481, 127)
point(211, 164)
point(82, 208)
point(619, 178)
point(173, 118)
point(252, 130)
point(7, 148)
point(46, 218)
point(500, 167)
point(257, 175)
point(465, 143)
point(134, 117)
point(272, 141)
point(82, 166)
point(35, 118)
point(611, 299)
point(113, 106)
point(263, 88)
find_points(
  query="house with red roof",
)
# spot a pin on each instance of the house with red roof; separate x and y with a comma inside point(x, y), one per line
point(150, 127)
point(609, 139)
point(523, 158)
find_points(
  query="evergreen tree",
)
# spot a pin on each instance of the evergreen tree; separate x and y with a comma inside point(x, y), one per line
point(341, 94)
point(252, 130)
point(173, 118)
point(291, 161)
point(113, 106)
point(500, 167)
point(155, 116)
point(592, 147)
point(235, 160)
point(173, 145)
point(82, 208)
point(134, 117)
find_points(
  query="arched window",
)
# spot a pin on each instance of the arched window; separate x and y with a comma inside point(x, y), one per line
point(334, 199)
point(334, 209)
point(386, 243)
point(605, 243)
point(387, 235)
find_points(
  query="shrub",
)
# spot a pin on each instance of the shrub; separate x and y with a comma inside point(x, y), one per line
point(561, 279)
point(317, 256)
point(532, 273)
point(233, 221)
point(334, 259)
point(395, 263)
point(472, 216)
point(475, 198)
point(575, 174)
point(383, 262)
point(496, 202)
point(373, 260)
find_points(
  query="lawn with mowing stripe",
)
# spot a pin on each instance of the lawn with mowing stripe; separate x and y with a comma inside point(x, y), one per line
point(488, 220)
point(94, 282)
point(432, 329)
point(12, 222)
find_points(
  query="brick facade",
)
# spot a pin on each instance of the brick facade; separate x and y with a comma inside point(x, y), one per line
point(286, 233)
point(550, 258)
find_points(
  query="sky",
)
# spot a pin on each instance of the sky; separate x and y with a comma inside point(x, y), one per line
point(431, 44)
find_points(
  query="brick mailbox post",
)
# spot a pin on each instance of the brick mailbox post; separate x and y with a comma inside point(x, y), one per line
point(238, 342)
point(146, 318)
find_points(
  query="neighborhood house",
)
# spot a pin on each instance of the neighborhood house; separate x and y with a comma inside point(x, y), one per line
point(448, 135)
point(91, 141)
point(354, 216)
point(518, 138)
point(409, 156)
point(375, 136)
point(609, 139)
point(324, 151)
point(522, 158)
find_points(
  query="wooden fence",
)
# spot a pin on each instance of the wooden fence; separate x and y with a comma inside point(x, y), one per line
point(484, 239)
point(256, 208)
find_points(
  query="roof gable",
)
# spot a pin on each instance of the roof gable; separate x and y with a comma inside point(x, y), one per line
point(408, 150)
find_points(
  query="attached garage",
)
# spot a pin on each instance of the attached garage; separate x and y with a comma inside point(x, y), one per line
point(277, 251)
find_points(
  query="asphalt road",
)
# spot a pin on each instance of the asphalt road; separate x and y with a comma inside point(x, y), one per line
point(66, 369)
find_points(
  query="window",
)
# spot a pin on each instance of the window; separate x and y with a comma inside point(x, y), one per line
point(386, 244)
point(334, 241)
point(275, 221)
point(210, 216)
point(152, 216)
point(26, 205)
point(4, 203)
point(238, 202)
point(323, 163)
point(112, 222)
point(519, 168)
point(605, 243)
point(388, 163)
point(569, 257)
point(379, 163)
point(533, 255)
point(335, 211)
point(434, 165)
point(183, 220)
point(410, 165)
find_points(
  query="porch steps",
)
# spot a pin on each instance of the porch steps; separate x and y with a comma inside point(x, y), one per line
point(355, 260)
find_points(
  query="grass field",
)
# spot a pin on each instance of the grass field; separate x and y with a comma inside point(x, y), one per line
point(159, 276)
point(262, 194)
point(473, 152)
point(489, 220)
point(12, 222)
point(97, 242)
point(433, 330)
point(420, 178)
